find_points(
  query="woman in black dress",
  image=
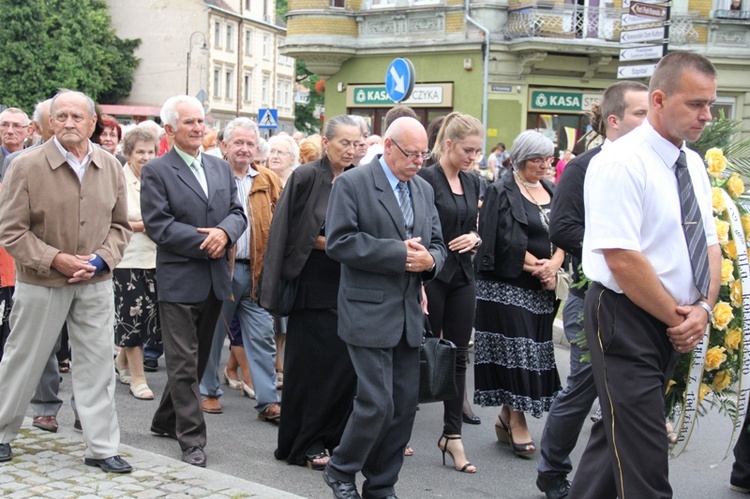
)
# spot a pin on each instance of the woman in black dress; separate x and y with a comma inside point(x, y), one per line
point(516, 305)
point(319, 380)
point(451, 296)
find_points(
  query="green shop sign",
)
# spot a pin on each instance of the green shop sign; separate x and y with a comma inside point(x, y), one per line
point(424, 95)
point(576, 102)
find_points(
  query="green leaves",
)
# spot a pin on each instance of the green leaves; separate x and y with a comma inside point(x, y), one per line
point(48, 44)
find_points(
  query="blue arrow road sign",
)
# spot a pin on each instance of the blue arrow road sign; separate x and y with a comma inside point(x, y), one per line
point(399, 80)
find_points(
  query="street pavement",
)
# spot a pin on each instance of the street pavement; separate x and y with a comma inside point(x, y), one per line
point(241, 462)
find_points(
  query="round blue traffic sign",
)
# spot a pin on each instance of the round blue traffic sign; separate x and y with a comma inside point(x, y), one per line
point(399, 80)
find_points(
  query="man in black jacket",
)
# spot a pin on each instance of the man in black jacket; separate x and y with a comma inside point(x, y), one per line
point(623, 107)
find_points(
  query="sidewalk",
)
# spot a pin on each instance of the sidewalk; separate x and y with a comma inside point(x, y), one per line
point(51, 465)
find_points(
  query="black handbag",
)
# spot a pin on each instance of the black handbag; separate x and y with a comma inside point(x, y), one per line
point(437, 368)
point(287, 295)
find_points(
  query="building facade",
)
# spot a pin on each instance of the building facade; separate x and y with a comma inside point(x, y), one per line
point(225, 52)
point(545, 61)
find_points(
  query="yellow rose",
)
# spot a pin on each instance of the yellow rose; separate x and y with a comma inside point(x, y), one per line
point(670, 385)
point(730, 250)
point(746, 224)
point(732, 339)
point(721, 380)
point(722, 315)
point(716, 162)
point(715, 357)
point(703, 391)
point(727, 271)
point(717, 198)
point(735, 294)
point(722, 230)
point(735, 186)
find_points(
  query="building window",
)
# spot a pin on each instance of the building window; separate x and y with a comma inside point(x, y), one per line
point(248, 42)
point(265, 91)
point(217, 83)
point(732, 9)
point(287, 94)
point(247, 4)
point(339, 4)
point(228, 77)
point(248, 87)
point(266, 47)
point(229, 44)
point(382, 3)
point(217, 34)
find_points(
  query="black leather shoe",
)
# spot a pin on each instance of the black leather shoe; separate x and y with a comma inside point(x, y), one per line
point(150, 365)
point(159, 432)
point(194, 456)
point(341, 490)
point(365, 495)
point(114, 464)
point(553, 488)
point(5, 453)
point(470, 418)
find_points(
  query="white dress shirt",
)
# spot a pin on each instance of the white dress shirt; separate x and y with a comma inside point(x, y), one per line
point(632, 202)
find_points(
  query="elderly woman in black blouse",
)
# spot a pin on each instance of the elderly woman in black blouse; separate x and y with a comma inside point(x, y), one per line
point(516, 305)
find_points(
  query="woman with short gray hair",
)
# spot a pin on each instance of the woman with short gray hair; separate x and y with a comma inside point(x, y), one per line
point(516, 305)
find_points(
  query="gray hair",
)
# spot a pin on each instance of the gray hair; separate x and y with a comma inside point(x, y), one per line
point(293, 147)
point(135, 135)
point(38, 115)
point(169, 115)
point(364, 128)
point(90, 105)
point(530, 144)
point(263, 148)
point(15, 110)
point(337, 122)
point(241, 122)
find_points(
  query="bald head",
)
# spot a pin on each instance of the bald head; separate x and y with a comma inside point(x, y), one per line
point(405, 145)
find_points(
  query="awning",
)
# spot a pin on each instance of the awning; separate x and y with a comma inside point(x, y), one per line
point(118, 110)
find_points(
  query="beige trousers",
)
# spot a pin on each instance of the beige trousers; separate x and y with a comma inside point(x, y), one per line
point(36, 319)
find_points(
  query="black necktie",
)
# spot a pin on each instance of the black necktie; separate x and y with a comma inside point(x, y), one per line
point(692, 224)
point(405, 204)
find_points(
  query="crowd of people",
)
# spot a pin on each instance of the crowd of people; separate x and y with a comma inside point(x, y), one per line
point(330, 251)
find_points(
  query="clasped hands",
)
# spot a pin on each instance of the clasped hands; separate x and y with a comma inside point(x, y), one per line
point(464, 242)
point(77, 267)
point(418, 259)
point(546, 272)
point(215, 243)
point(688, 334)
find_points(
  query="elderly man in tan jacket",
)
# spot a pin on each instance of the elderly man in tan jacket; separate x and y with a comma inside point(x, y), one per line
point(64, 221)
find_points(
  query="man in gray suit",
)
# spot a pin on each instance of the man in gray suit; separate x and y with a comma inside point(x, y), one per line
point(191, 210)
point(382, 225)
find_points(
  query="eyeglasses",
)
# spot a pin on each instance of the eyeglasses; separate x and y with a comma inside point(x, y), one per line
point(4, 125)
point(277, 151)
point(413, 156)
point(539, 161)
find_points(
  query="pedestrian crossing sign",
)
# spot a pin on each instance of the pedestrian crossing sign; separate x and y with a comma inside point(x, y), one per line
point(268, 119)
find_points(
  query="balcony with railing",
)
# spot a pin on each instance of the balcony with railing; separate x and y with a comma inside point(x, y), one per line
point(575, 22)
point(738, 15)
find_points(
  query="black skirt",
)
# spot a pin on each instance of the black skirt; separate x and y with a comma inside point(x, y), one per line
point(136, 308)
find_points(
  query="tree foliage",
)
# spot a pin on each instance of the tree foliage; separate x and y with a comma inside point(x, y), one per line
point(49, 44)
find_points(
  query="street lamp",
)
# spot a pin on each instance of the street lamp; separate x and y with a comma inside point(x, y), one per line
point(192, 44)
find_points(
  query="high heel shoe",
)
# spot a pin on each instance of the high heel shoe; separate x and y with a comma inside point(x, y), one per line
point(234, 384)
point(444, 449)
point(518, 449)
point(247, 391)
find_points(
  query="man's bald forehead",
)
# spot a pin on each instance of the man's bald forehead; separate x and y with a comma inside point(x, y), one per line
point(404, 125)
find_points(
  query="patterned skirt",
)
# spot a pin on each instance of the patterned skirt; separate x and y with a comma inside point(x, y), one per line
point(136, 310)
point(514, 354)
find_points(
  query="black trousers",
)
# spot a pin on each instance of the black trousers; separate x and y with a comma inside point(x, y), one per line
point(632, 359)
point(451, 307)
point(741, 467)
point(187, 334)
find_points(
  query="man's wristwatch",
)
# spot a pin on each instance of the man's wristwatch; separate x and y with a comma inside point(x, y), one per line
point(432, 267)
point(707, 308)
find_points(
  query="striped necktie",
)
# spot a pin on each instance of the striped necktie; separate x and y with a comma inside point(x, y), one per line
point(692, 224)
point(405, 204)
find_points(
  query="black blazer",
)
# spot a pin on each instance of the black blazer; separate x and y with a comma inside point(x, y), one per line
point(448, 213)
point(504, 228)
